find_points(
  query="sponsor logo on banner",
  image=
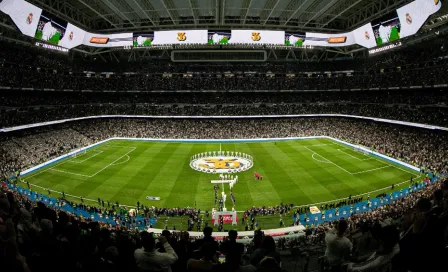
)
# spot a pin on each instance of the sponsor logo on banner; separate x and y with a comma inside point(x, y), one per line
point(256, 37)
point(181, 36)
point(436, 2)
point(408, 18)
point(385, 48)
point(29, 19)
point(314, 210)
point(153, 198)
point(341, 39)
point(99, 40)
point(70, 36)
point(366, 34)
point(227, 219)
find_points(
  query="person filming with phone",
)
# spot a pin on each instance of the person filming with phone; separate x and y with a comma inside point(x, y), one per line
point(149, 259)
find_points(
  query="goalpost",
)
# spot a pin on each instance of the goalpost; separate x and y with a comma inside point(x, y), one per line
point(357, 149)
point(79, 153)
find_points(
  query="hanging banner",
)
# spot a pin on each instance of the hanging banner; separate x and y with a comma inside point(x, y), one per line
point(329, 40)
point(180, 37)
point(73, 37)
point(364, 36)
point(24, 15)
point(414, 15)
point(258, 37)
point(108, 40)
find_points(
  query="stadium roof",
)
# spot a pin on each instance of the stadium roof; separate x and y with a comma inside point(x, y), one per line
point(148, 15)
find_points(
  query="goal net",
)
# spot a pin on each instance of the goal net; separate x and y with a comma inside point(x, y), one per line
point(357, 149)
point(79, 153)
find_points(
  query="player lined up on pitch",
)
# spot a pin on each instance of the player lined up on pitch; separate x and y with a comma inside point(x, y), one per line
point(258, 176)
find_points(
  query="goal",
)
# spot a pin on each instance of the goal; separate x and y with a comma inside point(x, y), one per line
point(357, 149)
point(79, 153)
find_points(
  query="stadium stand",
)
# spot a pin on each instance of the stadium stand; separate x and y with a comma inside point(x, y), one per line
point(23, 149)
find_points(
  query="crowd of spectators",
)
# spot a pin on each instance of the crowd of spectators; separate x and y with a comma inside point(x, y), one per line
point(14, 77)
point(40, 70)
point(421, 106)
point(412, 97)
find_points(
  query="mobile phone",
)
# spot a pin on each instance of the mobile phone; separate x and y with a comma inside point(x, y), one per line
point(222, 259)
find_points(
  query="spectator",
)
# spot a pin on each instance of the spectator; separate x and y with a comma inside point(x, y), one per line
point(207, 261)
point(382, 259)
point(267, 250)
point(148, 259)
point(184, 251)
point(339, 247)
point(233, 263)
point(207, 238)
point(230, 245)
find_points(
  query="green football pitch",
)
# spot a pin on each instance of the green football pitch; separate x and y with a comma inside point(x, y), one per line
point(299, 172)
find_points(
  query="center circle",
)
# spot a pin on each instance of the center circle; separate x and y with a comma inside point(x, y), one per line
point(221, 164)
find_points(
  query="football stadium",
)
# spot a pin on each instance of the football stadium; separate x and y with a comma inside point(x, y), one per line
point(271, 135)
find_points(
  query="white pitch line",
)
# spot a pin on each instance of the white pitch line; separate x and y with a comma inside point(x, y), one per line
point(40, 172)
point(83, 154)
point(123, 161)
point(370, 170)
point(129, 206)
point(318, 159)
point(71, 173)
point(317, 145)
point(388, 163)
point(368, 193)
point(91, 176)
point(112, 162)
point(354, 156)
point(99, 152)
point(329, 161)
point(120, 146)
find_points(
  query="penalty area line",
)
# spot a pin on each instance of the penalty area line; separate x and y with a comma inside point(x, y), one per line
point(354, 156)
point(329, 160)
point(40, 172)
point(99, 171)
point(318, 159)
point(71, 173)
point(128, 158)
point(370, 170)
point(384, 161)
point(94, 155)
point(112, 163)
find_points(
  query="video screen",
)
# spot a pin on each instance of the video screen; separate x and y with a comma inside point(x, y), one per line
point(50, 29)
point(143, 39)
point(387, 29)
point(295, 39)
point(219, 37)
